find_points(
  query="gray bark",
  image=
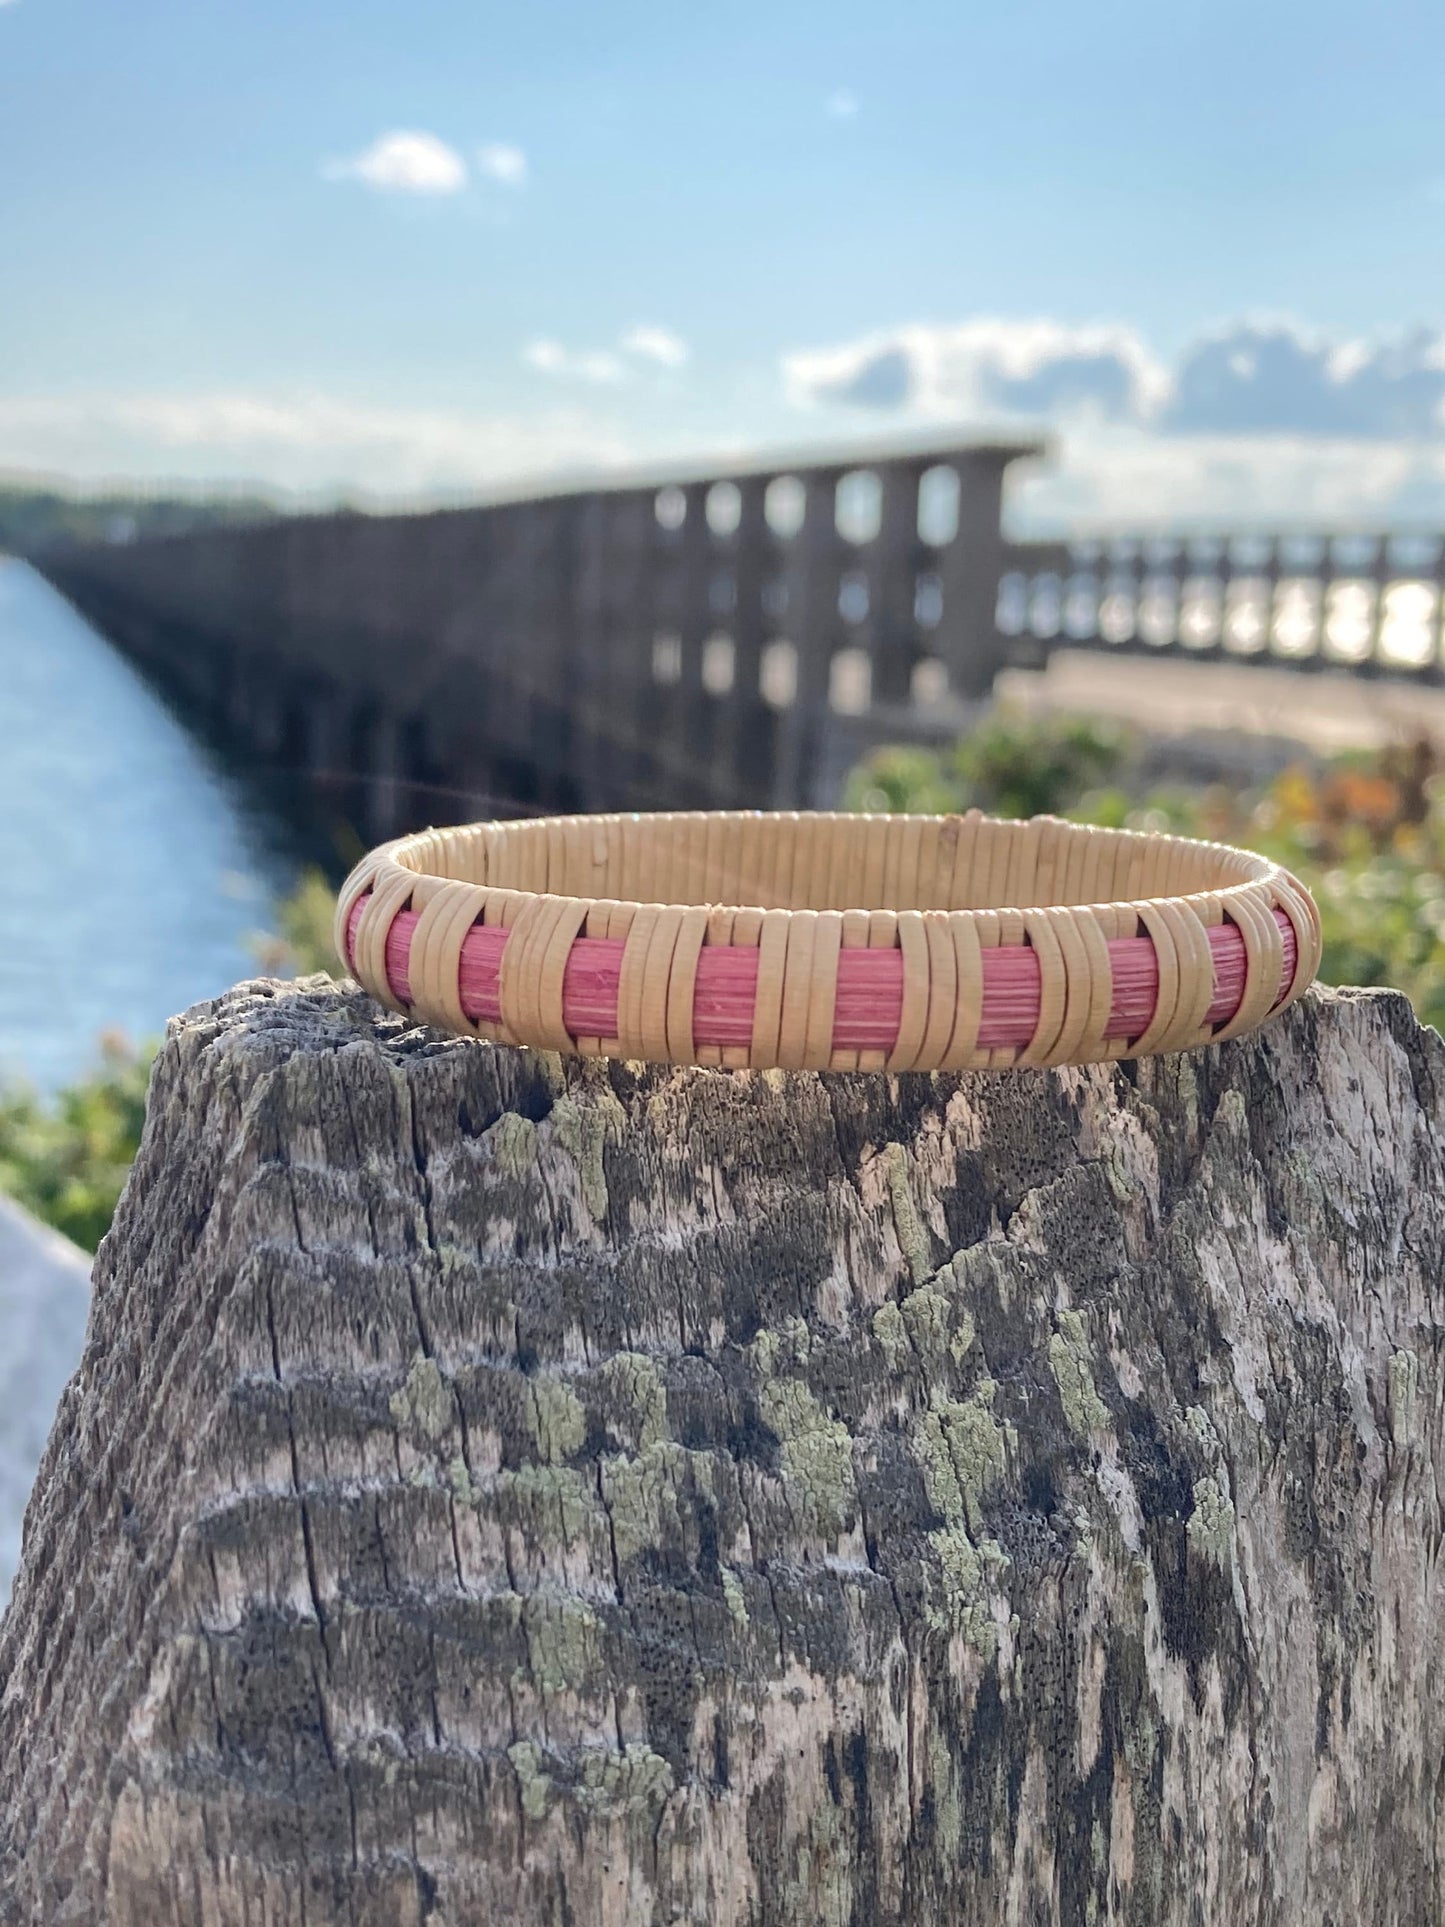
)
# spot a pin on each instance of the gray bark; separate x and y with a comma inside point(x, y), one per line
point(505, 1489)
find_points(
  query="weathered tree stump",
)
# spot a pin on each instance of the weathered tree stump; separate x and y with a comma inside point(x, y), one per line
point(500, 1489)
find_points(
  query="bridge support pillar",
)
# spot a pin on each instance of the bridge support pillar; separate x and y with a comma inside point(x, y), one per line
point(384, 778)
point(252, 711)
point(328, 748)
point(269, 716)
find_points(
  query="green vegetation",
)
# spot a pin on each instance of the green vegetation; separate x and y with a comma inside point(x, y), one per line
point(1365, 831)
point(67, 1161)
point(301, 943)
point(34, 515)
point(1009, 766)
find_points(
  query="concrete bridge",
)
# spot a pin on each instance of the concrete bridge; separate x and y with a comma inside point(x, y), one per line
point(726, 640)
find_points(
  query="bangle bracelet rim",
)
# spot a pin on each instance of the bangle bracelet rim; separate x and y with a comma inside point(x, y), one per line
point(440, 925)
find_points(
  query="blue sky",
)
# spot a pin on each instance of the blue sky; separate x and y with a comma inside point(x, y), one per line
point(441, 244)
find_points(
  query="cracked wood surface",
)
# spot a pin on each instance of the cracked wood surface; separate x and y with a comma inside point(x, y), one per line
point(506, 1489)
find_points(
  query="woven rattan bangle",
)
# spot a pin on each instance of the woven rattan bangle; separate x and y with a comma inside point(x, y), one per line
point(828, 942)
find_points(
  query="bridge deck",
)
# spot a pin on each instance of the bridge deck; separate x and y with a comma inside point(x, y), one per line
point(729, 639)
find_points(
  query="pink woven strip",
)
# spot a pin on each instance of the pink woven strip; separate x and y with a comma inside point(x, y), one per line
point(870, 985)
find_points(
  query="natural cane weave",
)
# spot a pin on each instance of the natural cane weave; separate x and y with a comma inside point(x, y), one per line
point(828, 942)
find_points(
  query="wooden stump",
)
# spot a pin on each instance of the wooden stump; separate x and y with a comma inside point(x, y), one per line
point(506, 1489)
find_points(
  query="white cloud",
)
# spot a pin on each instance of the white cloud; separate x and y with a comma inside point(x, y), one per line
point(604, 365)
point(548, 357)
point(656, 344)
point(1260, 420)
point(985, 368)
point(1120, 476)
point(1279, 377)
point(1112, 478)
point(595, 365)
point(308, 441)
point(843, 104)
point(1271, 377)
point(404, 162)
point(1346, 360)
point(499, 162)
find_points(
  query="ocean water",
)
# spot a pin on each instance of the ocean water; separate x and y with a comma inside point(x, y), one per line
point(134, 869)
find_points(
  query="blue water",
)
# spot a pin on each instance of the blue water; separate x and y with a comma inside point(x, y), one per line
point(133, 870)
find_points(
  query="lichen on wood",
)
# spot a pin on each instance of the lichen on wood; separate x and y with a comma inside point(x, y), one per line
point(506, 1488)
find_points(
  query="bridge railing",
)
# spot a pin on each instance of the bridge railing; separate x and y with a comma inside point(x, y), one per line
point(718, 640)
point(684, 641)
point(1367, 603)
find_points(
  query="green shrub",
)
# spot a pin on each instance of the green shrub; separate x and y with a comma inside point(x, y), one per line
point(1012, 765)
point(66, 1160)
point(301, 943)
point(1365, 831)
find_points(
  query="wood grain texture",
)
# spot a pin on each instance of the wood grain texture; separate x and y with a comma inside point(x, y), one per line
point(506, 1489)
